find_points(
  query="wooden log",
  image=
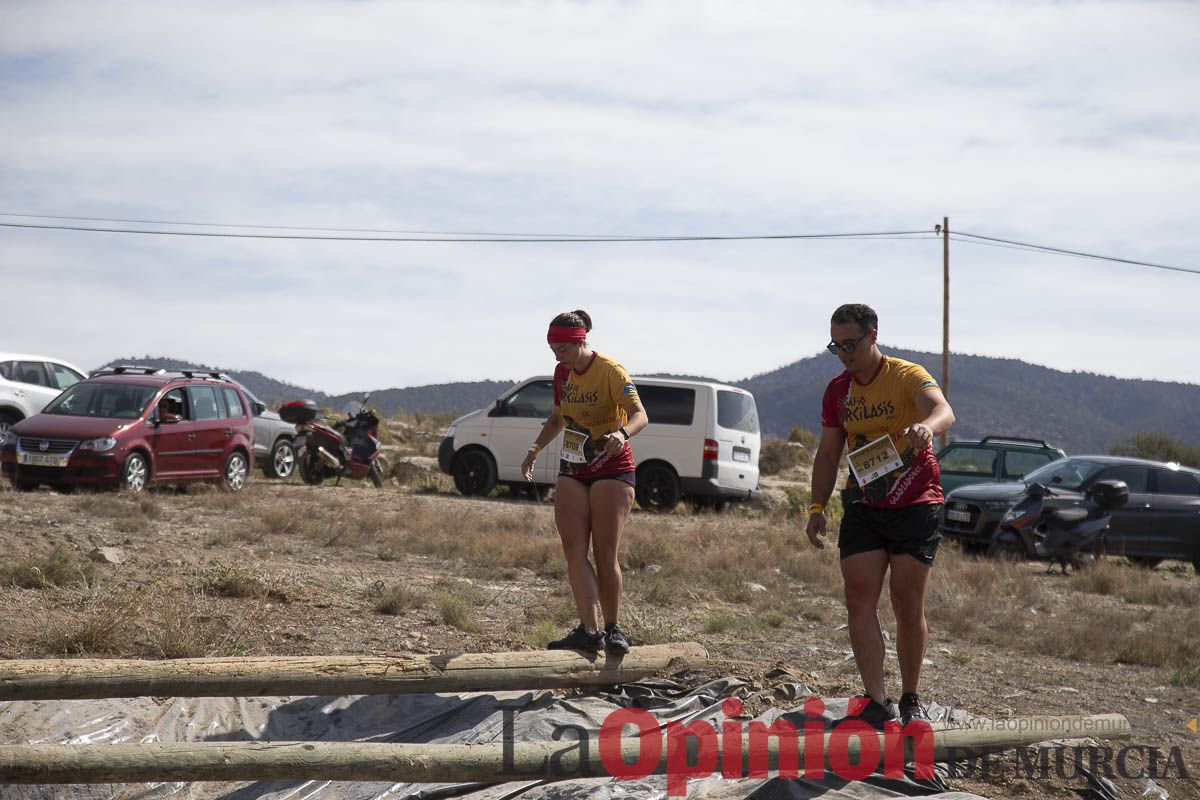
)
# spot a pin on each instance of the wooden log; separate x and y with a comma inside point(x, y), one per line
point(474, 763)
point(90, 678)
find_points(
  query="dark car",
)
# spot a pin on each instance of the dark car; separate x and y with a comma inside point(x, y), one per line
point(1160, 521)
point(993, 459)
point(126, 427)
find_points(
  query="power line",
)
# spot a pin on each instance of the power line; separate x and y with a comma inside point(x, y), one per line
point(477, 237)
point(297, 227)
point(1041, 248)
point(466, 238)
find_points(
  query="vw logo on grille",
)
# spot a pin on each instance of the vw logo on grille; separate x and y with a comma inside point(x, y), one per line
point(44, 446)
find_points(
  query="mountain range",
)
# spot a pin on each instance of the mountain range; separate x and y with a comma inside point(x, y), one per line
point(1080, 412)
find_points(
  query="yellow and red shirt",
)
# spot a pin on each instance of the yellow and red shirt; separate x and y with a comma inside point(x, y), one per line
point(594, 403)
point(885, 405)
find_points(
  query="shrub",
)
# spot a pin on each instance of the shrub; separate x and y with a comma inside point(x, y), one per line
point(59, 568)
point(777, 455)
point(804, 437)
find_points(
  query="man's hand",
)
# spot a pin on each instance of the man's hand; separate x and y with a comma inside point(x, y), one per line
point(919, 435)
point(527, 465)
point(816, 529)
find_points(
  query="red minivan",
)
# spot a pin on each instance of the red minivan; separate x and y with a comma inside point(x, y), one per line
point(130, 426)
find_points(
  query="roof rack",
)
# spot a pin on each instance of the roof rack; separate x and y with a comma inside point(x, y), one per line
point(128, 369)
point(131, 369)
point(1041, 442)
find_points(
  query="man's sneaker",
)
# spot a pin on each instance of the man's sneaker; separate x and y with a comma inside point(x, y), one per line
point(579, 639)
point(615, 640)
point(866, 709)
point(911, 708)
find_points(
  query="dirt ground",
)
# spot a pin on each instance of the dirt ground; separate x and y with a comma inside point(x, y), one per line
point(284, 568)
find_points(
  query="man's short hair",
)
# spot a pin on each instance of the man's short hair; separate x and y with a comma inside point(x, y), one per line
point(865, 316)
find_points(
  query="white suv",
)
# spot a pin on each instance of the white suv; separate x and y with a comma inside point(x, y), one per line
point(701, 445)
point(28, 383)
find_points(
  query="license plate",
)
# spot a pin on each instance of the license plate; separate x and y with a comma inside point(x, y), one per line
point(42, 460)
point(737, 456)
point(958, 516)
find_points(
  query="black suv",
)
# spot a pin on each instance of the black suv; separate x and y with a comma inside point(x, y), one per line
point(1160, 521)
point(993, 459)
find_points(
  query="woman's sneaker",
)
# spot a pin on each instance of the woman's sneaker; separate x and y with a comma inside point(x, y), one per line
point(579, 639)
point(615, 640)
point(866, 709)
point(911, 708)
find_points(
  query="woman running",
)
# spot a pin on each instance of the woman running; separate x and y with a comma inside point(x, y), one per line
point(598, 406)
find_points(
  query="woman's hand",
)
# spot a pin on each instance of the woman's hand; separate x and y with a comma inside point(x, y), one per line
point(527, 464)
point(614, 443)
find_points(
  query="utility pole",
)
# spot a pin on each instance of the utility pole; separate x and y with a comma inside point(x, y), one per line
point(945, 312)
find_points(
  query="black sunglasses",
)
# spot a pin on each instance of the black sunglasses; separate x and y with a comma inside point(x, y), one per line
point(846, 346)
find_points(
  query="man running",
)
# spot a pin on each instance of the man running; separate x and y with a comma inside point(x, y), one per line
point(887, 412)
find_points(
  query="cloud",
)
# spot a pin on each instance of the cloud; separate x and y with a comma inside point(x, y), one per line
point(1051, 123)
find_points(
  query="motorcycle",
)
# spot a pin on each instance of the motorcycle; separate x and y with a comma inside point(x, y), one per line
point(1036, 528)
point(349, 448)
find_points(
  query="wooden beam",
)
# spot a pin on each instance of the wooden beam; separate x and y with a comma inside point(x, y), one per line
point(475, 763)
point(83, 678)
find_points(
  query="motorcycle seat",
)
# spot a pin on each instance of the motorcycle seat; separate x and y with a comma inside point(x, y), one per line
point(1069, 515)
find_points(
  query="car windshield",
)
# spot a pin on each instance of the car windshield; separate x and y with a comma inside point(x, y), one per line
point(1068, 474)
point(111, 400)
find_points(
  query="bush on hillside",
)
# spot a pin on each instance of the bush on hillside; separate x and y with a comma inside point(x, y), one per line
point(1157, 447)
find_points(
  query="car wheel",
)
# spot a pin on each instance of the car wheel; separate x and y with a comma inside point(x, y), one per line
point(7, 420)
point(657, 488)
point(135, 472)
point(237, 469)
point(1145, 562)
point(309, 468)
point(282, 462)
point(475, 473)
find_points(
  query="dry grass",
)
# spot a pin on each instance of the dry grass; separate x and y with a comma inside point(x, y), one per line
point(61, 567)
point(1013, 606)
point(103, 622)
point(1135, 584)
point(397, 599)
point(158, 621)
point(456, 612)
point(541, 634)
point(246, 582)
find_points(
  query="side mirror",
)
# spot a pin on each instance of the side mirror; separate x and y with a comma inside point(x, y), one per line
point(1109, 494)
point(497, 409)
point(258, 407)
point(167, 418)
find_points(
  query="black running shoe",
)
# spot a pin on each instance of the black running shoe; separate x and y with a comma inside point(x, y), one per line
point(579, 639)
point(615, 640)
point(911, 708)
point(866, 709)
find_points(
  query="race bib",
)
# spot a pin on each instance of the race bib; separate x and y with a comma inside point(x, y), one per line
point(572, 446)
point(874, 460)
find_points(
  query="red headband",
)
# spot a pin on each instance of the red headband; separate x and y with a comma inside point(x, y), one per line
point(566, 334)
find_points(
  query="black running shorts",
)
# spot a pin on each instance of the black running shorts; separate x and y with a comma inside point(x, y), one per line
point(915, 530)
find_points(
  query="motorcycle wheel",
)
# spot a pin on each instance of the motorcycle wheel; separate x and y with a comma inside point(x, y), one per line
point(1006, 551)
point(378, 470)
point(310, 470)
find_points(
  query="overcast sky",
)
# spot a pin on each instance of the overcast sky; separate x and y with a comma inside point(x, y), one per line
point(1069, 124)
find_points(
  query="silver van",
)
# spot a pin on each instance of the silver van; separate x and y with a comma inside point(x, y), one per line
point(701, 445)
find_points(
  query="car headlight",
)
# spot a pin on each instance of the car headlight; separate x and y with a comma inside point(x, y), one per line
point(997, 505)
point(10, 438)
point(99, 445)
point(449, 434)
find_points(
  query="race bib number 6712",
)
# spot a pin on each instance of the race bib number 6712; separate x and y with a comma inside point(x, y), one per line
point(874, 460)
